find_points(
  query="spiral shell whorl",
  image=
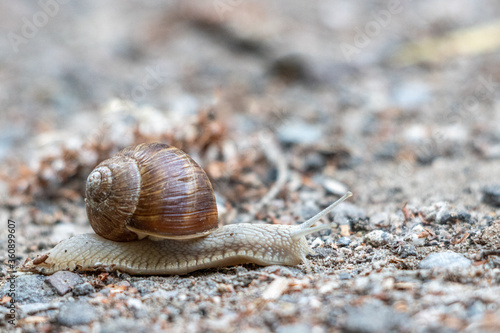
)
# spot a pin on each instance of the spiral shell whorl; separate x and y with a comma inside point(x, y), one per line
point(99, 184)
point(112, 193)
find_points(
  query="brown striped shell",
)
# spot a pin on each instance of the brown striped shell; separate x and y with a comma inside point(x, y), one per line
point(150, 190)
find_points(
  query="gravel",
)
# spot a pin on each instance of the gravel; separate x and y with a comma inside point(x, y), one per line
point(31, 289)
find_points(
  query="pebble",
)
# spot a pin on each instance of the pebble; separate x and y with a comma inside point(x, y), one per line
point(163, 295)
point(415, 134)
point(32, 308)
point(375, 318)
point(411, 95)
point(491, 195)
point(445, 260)
point(408, 250)
point(123, 325)
point(329, 287)
point(290, 68)
point(317, 242)
point(378, 238)
point(63, 281)
point(347, 212)
point(362, 285)
point(476, 309)
point(294, 328)
point(388, 151)
point(414, 236)
point(313, 161)
point(275, 289)
point(490, 235)
point(299, 132)
point(78, 313)
point(83, 289)
point(333, 186)
point(445, 215)
point(30, 288)
point(415, 240)
point(344, 241)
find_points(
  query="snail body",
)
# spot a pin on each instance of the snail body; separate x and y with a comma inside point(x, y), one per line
point(124, 244)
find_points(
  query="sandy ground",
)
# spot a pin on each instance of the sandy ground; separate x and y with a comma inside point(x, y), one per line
point(396, 101)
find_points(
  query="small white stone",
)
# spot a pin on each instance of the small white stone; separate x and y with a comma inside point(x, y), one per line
point(317, 243)
point(275, 289)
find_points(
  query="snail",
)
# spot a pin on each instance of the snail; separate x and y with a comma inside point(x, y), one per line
point(153, 211)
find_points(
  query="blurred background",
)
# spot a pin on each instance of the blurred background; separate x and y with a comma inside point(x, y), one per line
point(329, 66)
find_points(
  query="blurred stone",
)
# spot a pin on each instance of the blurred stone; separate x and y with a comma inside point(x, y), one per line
point(415, 239)
point(33, 308)
point(333, 186)
point(491, 195)
point(411, 95)
point(275, 289)
point(387, 151)
point(123, 325)
point(370, 318)
point(290, 68)
point(348, 212)
point(361, 285)
point(63, 281)
point(344, 241)
point(313, 161)
point(83, 289)
point(77, 313)
point(446, 215)
point(445, 260)
point(294, 328)
point(317, 242)
point(299, 132)
point(408, 250)
point(416, 134)
point(378, 238)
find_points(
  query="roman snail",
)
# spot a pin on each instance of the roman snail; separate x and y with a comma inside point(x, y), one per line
point(154, 212)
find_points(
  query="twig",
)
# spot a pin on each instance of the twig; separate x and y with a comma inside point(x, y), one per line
point(276, 156)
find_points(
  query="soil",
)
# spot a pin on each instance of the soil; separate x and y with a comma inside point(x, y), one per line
point(286, 105)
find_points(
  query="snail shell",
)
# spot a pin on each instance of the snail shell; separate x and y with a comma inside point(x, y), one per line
point(150, 190)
